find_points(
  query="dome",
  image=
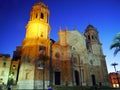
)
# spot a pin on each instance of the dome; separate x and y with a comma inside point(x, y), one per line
point(90, 28)
point(39, 4)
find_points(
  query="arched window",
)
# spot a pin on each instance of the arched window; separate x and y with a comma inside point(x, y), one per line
point(14, 66)
point(47, 18)
point(42, 16)
point(4, 64)
point(88, 37)
point(40, 65)
point(36, 15)
point(92, 37)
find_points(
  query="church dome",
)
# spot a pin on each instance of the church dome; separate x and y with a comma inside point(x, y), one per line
point(90, 28)
point(39, 5)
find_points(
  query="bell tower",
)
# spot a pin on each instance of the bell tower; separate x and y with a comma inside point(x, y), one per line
point(37, 31)
point(38, 26)
point(96, 58)
point(92, 40)
point(35, 43)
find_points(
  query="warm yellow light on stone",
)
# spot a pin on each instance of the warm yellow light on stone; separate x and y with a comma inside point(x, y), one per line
point(37, 30)
point(37, 35)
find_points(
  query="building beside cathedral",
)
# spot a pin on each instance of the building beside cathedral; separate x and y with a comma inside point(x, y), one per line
point(75, 59)
point(5, 64)
point(114, 79)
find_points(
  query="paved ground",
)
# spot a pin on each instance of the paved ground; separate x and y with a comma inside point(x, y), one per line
point(107, 89)
point(15, 88)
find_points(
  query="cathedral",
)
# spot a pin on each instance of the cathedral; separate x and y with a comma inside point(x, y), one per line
point(74, 60)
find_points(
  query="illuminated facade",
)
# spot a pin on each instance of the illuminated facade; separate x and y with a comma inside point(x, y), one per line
point(5, 63)
point(35, 44)
point(75, 59)
point(14, 71)
point(79, 59)
point(114, 79)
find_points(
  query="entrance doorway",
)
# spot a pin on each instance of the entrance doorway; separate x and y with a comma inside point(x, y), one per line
point(77, 78)
point(93, 79)
point(57, 78)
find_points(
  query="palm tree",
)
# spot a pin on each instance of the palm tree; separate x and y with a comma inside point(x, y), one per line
point(116, 44)
point(114, 64)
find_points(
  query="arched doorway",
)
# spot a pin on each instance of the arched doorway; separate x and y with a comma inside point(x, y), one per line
point(93, 79)
point(76, 77)
point(57, 78)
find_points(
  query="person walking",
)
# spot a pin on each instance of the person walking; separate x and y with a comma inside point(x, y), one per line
point(49, 88)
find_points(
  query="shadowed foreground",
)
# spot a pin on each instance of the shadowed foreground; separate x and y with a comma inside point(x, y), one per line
point(70, 88)
point(83, 88)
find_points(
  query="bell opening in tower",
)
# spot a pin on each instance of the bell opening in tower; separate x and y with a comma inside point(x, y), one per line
point(36, 15)
point(42, 16)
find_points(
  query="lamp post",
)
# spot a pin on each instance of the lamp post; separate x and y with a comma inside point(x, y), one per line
point(50, 65)
point(114, 64)
point(43, 58)
point(43, 76)
point(41, 66)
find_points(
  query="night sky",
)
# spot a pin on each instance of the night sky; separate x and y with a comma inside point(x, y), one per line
point(102, 14)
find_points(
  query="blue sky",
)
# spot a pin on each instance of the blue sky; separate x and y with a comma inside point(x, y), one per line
point(102, 14)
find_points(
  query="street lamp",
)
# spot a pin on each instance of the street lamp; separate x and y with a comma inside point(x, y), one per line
point(50, 64)
point(43, 59)
point(114, 64)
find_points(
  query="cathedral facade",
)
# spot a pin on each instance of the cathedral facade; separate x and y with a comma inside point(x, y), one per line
point(74, 60)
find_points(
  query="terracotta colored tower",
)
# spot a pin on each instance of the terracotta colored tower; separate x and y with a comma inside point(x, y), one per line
point(35, 44)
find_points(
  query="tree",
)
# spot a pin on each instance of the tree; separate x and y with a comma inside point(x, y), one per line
point(116, 43)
